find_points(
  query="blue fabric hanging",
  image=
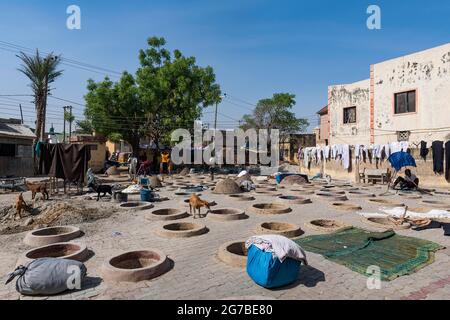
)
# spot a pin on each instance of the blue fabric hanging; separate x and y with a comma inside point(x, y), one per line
point(400, 160)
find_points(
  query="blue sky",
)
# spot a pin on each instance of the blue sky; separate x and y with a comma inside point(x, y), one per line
point(256, 47)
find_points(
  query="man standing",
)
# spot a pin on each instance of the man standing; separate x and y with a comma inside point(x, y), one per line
point(165, 159)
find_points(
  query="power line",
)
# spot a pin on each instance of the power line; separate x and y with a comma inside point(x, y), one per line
point(66, 61)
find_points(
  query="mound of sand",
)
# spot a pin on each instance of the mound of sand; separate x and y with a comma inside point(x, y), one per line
point(227, 186)
point(155, 182)
point(291, 180)
point(112, 171)
point(56, 214)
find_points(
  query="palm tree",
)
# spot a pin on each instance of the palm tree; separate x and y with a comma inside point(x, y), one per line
point(41, 71)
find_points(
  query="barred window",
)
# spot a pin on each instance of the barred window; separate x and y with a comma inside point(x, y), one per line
point(405, 102)
point(350, 115)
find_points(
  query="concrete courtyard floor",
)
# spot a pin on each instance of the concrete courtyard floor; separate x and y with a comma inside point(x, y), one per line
point(197, 273)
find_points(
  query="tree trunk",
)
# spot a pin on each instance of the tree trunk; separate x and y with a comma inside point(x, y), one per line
point(134, 141)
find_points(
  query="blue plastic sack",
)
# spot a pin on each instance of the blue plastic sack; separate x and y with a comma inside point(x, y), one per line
point(268, 271)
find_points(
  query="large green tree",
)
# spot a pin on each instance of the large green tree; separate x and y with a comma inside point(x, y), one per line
point(275, 113)
point(168, 92)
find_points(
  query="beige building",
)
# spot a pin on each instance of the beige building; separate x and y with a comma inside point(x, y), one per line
point(405, 99)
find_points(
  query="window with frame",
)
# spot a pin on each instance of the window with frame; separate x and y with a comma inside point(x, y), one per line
point(405, 102)
point(350, 115)
point(7, 150)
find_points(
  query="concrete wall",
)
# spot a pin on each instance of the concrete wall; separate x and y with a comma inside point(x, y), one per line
point(324, 131)
point(428, 72)
point(424, 169)
point(22, 164)
point(350, 95)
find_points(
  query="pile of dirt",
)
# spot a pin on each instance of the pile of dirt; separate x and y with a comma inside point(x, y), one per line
point(155, 182)
point(185, 171)
point(112, 171)
point(291, 180)
point(245, 177)
point(55, 214)
point(227, 186)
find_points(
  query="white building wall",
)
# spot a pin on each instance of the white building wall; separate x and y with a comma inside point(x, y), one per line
point(428, 72)
point(350, 95)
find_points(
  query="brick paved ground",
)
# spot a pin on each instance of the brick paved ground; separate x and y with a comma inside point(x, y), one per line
point(198, 274)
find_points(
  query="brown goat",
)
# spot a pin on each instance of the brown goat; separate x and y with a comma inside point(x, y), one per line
point(38, 187)
point(196, 203)
point(20, 205)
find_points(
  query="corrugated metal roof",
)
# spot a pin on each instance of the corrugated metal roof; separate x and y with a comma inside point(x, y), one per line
point(15, 130)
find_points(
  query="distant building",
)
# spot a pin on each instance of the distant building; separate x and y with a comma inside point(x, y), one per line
point(289, 147)
point(16, 153)
point(323, 134)
point(98, 149)
point(405, 99)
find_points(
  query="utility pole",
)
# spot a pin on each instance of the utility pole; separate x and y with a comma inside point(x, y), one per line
point(215, 131)
point(64, 130)
point(70, 123)
point(21, 113)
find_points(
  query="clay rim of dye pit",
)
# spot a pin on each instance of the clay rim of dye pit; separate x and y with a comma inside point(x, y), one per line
point(167, 214)
point(384, 222)
point(388, 203)
point(227, 214)
point(346, 206)
point(45, 236)
point(136, 205)
point(241, 197)
point(233, 253)
point(293, 199)
point(134, 266)
point(182, 230)
point(61, 250)
point(285, 229)
point(270, 208)
point(325, 225)
point(361, 194)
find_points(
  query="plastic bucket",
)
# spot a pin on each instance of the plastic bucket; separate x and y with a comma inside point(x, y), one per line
point(146, 195)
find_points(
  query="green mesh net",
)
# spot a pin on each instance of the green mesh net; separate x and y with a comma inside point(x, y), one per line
point(359, 249)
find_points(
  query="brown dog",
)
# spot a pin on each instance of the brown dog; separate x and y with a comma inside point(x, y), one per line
point(20, 205)
point(35, 188)
point(196, 203)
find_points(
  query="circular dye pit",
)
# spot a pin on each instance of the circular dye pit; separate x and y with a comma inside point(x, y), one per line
point(167, 214)
point(346, 206)
point(135, 266)
point(387, 203)
point(331, 196)
point(410, 196)
point(437, 204)
point(136, 205)
point(63, 250)
point(233, 254)
point(293, 200)
point(270, 208)
point(323, 225)
point(361, 194)
point(386, 223)
point(45, 236)
point(182, 230)
point(241, 197)
point(285, 229)
point(227, 214)
point(334, 192)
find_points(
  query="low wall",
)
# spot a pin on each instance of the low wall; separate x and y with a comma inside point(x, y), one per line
point(424, 170)
point(15, 166)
